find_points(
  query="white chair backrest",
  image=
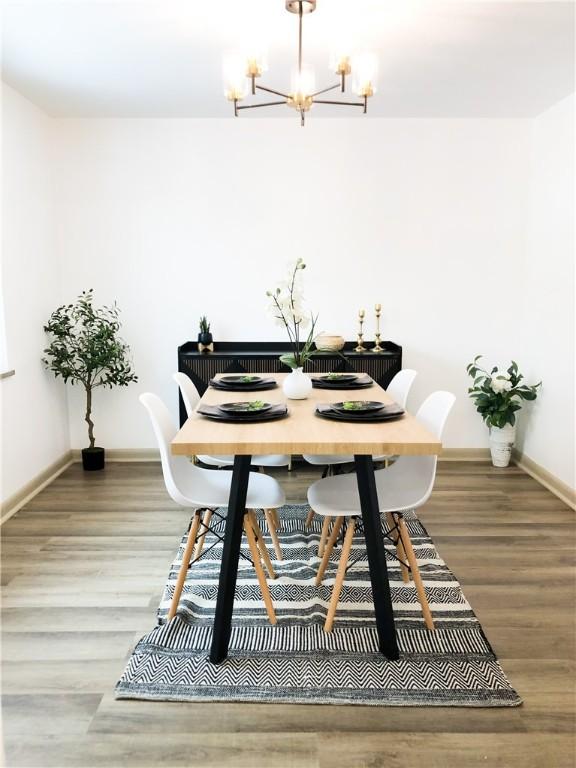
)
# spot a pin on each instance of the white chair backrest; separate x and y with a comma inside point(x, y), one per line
point(190, 394)
point(419, 472)
point(435, 410)
point(165, 431)
point(400, 386)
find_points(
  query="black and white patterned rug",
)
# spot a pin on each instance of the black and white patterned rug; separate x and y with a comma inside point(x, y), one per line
point(296, 661)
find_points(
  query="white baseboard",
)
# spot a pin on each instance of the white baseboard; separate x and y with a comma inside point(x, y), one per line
point(17, 500)
point(545, 478)
point(465, 454)
point(124, 454)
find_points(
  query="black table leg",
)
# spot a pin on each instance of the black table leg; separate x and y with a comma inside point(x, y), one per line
point(376, 557)
point(230, 555)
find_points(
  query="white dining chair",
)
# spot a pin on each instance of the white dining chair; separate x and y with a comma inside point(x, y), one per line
point(204, 490)
point(191, 398)
point(398, 389)
point(406, 484)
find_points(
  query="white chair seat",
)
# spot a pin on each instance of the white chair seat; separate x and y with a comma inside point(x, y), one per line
point(401, 486)
point(212, 489)
point(271, 460)
point(323, 460)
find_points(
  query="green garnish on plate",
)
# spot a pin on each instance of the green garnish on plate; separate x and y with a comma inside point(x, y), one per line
point(353, 405)
point(256, 405)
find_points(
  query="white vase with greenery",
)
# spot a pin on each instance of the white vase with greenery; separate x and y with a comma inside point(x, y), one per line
point(497, 397)
point(287, 307)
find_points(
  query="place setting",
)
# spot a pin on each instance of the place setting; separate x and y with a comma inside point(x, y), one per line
point(360, 411)
point(342, 381)
point(239, 382)
point(244, 411)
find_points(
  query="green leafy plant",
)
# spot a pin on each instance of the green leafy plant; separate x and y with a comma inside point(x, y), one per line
point(204, 325)
point(288, 310)
point(497, 395)
point(86, 349)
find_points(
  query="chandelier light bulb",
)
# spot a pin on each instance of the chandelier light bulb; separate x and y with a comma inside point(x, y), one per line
point(364, 71)
point(340, 62)
point(303, 83)
point(256, 61)
point(234, 74)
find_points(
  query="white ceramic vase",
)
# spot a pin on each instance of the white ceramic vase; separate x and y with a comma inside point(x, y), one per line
point(501, 442)
point(297, 385)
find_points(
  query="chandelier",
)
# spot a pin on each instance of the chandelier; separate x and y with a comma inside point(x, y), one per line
point(241, 73)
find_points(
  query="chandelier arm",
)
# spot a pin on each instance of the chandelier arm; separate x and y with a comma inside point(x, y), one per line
point(324, 90)
point(344, 103)
point(265, 104)
point(271, 90)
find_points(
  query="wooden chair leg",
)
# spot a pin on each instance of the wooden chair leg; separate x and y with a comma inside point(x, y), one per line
point(275, 518)
point(340, 574)
point(328, 549)
point(186, 557)
point(205, 522)
point(309, 518)
point(400, 553)
point(268, 514)
point(250, 536)
point(391, 525)
point(324, 535)
point(405, 537)
point(260, 543)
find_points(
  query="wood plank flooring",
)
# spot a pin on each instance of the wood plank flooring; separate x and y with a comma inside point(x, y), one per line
point(83, 566)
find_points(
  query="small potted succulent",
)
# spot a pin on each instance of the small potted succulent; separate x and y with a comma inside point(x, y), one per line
point(85, 349)
point(497, 397)
point(204, 337)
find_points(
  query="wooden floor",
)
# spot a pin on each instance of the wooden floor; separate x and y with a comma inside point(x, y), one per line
point(83, 566)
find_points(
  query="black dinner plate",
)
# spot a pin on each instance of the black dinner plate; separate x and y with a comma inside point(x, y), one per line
point(242, 379)
point(358, 383)
point(245, 407)
point(265, 384)
point(213, 412)
point(388, 413)
point(338, 378)
point(358, 406)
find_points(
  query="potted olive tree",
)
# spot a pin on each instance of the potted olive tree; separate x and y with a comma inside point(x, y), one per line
point(497, 396)
point(85, 349)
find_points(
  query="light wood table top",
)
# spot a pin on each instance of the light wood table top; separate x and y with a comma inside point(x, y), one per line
point(301, 431)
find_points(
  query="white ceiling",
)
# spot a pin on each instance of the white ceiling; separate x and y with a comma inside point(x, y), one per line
point(163, 59)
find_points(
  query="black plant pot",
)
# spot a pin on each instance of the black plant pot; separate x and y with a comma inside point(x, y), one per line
point(92, 459)
point(205, 338)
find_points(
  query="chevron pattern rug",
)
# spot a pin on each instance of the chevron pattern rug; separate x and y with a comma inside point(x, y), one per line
point(296, 661)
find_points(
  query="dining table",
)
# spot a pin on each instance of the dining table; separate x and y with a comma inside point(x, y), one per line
point(302, 431)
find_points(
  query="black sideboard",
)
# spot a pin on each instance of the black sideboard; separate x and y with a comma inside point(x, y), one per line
point(262, 357)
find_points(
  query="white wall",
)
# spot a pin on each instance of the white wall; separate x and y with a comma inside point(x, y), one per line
point(34, 411)
point(548, 300)
point(177, 218)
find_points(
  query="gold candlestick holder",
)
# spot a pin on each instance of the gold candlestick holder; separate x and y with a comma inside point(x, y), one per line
point(377, 348)
point(360, 347)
